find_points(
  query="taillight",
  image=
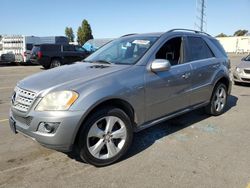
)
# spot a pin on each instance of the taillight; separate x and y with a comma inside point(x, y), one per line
point(39, 55)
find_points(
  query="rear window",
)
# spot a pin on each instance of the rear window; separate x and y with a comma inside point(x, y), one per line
point(198, 49)
point(35, 49)
point(51, 47)
point(29, 46)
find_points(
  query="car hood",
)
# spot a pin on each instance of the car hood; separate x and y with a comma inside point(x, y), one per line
point(244, 64)
point(68, 75)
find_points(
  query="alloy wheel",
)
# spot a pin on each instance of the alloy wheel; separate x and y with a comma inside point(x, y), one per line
point(106, 137)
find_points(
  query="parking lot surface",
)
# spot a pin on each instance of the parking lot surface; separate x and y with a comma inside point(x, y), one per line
point(193, 150)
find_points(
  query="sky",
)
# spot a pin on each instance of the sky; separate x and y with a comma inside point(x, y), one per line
point(113, 18)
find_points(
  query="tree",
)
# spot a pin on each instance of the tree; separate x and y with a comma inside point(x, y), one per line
point(70, 34)
point(221, 35)
point(240, 32)
point(84, 32)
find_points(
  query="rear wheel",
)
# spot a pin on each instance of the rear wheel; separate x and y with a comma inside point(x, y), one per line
point(46, 66)
point(106, 137)
point(55, 63)
point(218, 100)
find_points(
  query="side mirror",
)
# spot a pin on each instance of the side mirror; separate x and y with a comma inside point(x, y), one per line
point(159, 65)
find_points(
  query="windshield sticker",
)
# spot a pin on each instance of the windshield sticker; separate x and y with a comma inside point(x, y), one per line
point(142, 42)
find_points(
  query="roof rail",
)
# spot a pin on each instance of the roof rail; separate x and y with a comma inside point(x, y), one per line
point(190, 30)
point(128, 34)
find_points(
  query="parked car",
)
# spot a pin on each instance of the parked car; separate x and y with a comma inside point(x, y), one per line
point(131, 83)
point(241, 73)
point(54, 55)
point(94, 44)
point(17, 48)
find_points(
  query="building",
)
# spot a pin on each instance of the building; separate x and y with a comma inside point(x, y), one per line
point(235, 44)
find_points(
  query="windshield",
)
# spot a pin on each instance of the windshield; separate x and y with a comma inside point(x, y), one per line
point(127, 50)
point(247, 58)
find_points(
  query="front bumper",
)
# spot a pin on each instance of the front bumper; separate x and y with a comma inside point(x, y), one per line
point(62, 139)
point(241, 77)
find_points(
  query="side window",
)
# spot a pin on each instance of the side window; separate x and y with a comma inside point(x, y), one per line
point(171, 51)
point(68, 48)
point(51, 48)
point(219, 46)
point(198, 49)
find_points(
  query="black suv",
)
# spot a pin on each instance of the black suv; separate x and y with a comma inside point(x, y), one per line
point(54, 55)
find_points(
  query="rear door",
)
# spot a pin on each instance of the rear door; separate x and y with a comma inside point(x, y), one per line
point(69, 54)
point(204, 65)
point(167, 91)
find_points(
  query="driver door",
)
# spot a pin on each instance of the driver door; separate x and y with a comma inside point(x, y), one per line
point(167, 92)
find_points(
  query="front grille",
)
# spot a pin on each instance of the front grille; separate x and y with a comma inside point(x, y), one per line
point(247, 71)
point(22, 99)
point(246, 79)
point(23, 120)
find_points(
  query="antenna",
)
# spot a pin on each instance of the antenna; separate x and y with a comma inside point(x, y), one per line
point(201, 15)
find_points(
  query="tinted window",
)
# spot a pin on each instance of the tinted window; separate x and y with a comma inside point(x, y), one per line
point(247, 58)
point(219, 46)
point(68, 48)
point(51, 47)
point(29, 46)
point(79, 48)
point(198, 49)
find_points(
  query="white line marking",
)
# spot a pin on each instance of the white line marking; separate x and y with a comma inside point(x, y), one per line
point(6, 87)
point(3, 120)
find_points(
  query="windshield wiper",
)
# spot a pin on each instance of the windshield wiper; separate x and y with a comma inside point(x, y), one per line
point(102, 61)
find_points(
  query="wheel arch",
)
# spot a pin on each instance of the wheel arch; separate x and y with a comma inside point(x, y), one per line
point(223, 80)
point(114, 102)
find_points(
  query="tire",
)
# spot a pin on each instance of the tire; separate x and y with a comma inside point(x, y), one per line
point(55, 63)
point(218, 100)
point(46, 66)
point(97, 143)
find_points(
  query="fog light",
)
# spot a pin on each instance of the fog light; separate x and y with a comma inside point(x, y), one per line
point(48, 127)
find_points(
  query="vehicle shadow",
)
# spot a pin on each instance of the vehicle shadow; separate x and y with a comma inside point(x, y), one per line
point(13, 64)
point(146, 138)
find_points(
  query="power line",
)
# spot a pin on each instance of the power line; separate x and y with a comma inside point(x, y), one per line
point(200, 23)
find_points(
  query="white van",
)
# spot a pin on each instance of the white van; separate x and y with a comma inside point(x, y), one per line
point(17, 48)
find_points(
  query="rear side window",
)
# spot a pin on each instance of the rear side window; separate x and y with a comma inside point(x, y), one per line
point(198, 49)
point(219, 46)
point(68, 48)
point(51, 47)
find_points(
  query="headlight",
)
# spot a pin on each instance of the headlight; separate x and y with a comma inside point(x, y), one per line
point(60, 100)
point(238, 70)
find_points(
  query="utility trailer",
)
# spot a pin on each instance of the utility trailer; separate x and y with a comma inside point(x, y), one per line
point(17, 48)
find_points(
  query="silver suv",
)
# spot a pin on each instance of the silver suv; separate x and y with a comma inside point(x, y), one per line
point(129, 84)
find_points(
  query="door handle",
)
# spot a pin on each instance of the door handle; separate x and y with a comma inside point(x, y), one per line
point(216, 66)
point(185, 76)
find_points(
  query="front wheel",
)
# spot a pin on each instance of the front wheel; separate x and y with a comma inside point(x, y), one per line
point(218, 100)
point(105, 137)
